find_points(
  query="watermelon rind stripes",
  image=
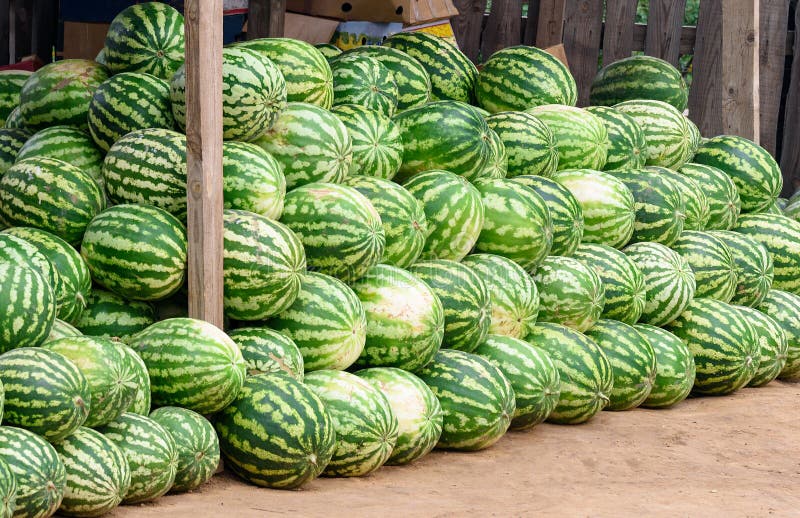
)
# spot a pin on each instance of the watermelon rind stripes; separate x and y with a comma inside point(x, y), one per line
point(668, 140)
point(252, 180)
point(61, 329)
point(497, 162)
point(377, 144)
point(14, 119)
point(772, 349)
point(570, 292)
point(8, 490)
point(626, 144)
point(142, 400)
point(566, 213)
point(329, 50)
point(724, 203)
point(364, 81)
point(753, 265)
point(581, 137)
point(110, 316)
point(11, 141)
point(783, 308)
point(696, 209)
point(413, 81)
point(11, 83)
point(268, 351)
point(712, 263)
point(530, 145)
point(675, 369)
point(30, 307)
point(781, 237)
point(72, 145)
point(639, 77)
point(17, 251)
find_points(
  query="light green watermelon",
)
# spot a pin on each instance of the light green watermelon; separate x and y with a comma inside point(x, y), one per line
point(571, 293)
point(675, 369)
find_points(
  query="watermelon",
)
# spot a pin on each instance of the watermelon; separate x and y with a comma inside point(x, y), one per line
point(61, 329)
point(724, 203)
point(8, 490)
point(329, 50)
point(59, 93)
point(100, 57)
point(668, 140)
point(306, 71)
point(513, 294)
point(127, 102)
point(571, 293)
point(497, 162)
point(151, 453)
point(276, 433)
point(253, 94)
point(781, 237)
point(581, 137)
point(566, 213)
point(39, 473)
point(772, 347)
point(110, 316)
point(530, 145)
point(405, 319)
point(268, 351)
point(11, 141)
point(30, 307)
point(633, 362)
point(402, 217)
point(723, 343)
point(465, 300)
point(17, 251)
point(11, 83)
point(626, 144)
point(14, 119)
point(136, 251)
point(453, 211)
point(339, 228)
point(196, 444)
point(311, 144)
point(751, 167)
point(675, 370)
point(639, 77)
point(753, 266)
point(142, 400)
point(532, 374)
point(252, 180)
point(326, 321)
point(413, 81)
point(623, 281)
point(146, 37)
point(366, 427)
point(696, 137)
point(50, 194)
point(263, 266)
point(377, 144)
point(783, 308)
point(521, 77)
point(364, 81)
point(477, 400)
point(191, 363)
point(62, 397)
point(712, 264)
point(516, 223)
point(697, 211)
point(98, 475)
point(669, 281)
point(607, 205)
point(584, 370)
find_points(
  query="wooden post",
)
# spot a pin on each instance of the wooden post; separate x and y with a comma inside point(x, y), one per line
point(531, 22)
point(265, 19)
point(5, 11)
point(583, 23)
point(44, 26)
point(503, 28)
point(774, 24)
point(468, 26)
point(618, 35)
point(204, 157)
point(551, 23)
point(790, 153)
point(740, 70)
point(664, 29)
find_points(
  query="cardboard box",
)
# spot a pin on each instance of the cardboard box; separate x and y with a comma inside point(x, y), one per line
point(349, 35)
point(409, 12)
point(309, 28)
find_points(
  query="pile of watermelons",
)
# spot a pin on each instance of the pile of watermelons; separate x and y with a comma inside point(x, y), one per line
point(416, 255)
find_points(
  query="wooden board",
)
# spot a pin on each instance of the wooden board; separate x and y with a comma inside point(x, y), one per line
point(550, 30)
point(790, 155)
point(503, 27)
point(531, 23)
point(4, 31)
point(265, 19)
point(705, 102)
point(468, 25)
point(740, 70)
point(618, 33)
point(664, 29)
point(774, 22)
point(582, 27)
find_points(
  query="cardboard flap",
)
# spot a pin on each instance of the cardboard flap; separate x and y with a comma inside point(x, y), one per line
point(406, 11)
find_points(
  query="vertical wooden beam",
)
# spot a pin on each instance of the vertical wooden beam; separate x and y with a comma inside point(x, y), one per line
point(531, 22)
point(551, 23)
point(664, 24)
point(21, 25)
point(503, 28)
point(774, 24)
point(204, 157)
point(265, 19)
point(790, 153)
point(740, 70)
point(44, 26)
point(5, 13)
point(618, 34)
point(468, 26)
point(705, 100)
point(583, 23)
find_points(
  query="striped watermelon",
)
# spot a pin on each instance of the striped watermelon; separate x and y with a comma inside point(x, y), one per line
point(263, 266)
point(17, 251)
point(723, 343)
point(668, 280)
point(697, 211)
point(326, 321)
point(626, 144)
point(253, 94)
point(712, 264)
point(453, 75)
point(196, 444)
point(8, 490)
point(50, 194)
point(98, 474)
point(724, 203)
point(54, 380)
point(14, 119)
point(405, 319)
point(418, 411)
point(606, 203)
point(61, 329)
point(311, 144)
point(110, 316)
point(191, 363)
point(581, 137)
point(142, 400)
point(783, 308)
point(364, 81)
point(751, 167)
point(668, 140)
point(772, 349)
point(532, 374)
point(340, 230)
point(329, 50)
point(145, 37)
point(571, 293)
point(696, 137)
point(639, 77)
point(30, 307)
point(377, 144)
point(633, 362)
point(136, 251)
point(100, 57)
point(127, 102)
point(497, 163)
point(402, 217)
point(151, 453)
point(307, 73)
point(521, 77)
point(584, 370)
point(513, 294)
point(622, 280)
point(753, 266)
point(465, 299)
point(675, 370)
point(11, 141)
point(11, 83)
point(413, 81)
point(276, 433)
point(59, 94)
point(267, 351)
point(566, 213)
point(252, 180)
point(39, 473)
point(781, 237)
point(453, 211)
point(477, 400)
point(530, 145)
point(366, 427)
point(516, 223)
point(72, 145)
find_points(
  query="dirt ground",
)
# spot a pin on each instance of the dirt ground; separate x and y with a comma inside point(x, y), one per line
point(731, 456)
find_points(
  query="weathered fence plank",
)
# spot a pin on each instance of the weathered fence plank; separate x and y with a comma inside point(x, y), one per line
point(503, 28)
point(774, 22)
point(4, 31)
point(790, 153)
point(582, 27)
point(705, 102)
point(664, 23)
point(531, 23)
point(468, 26)
point(618, 33)
point(740, 70)
point(550, 30)
point(265, 19)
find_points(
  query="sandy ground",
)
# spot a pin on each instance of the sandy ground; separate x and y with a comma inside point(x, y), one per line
point(731, 456)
